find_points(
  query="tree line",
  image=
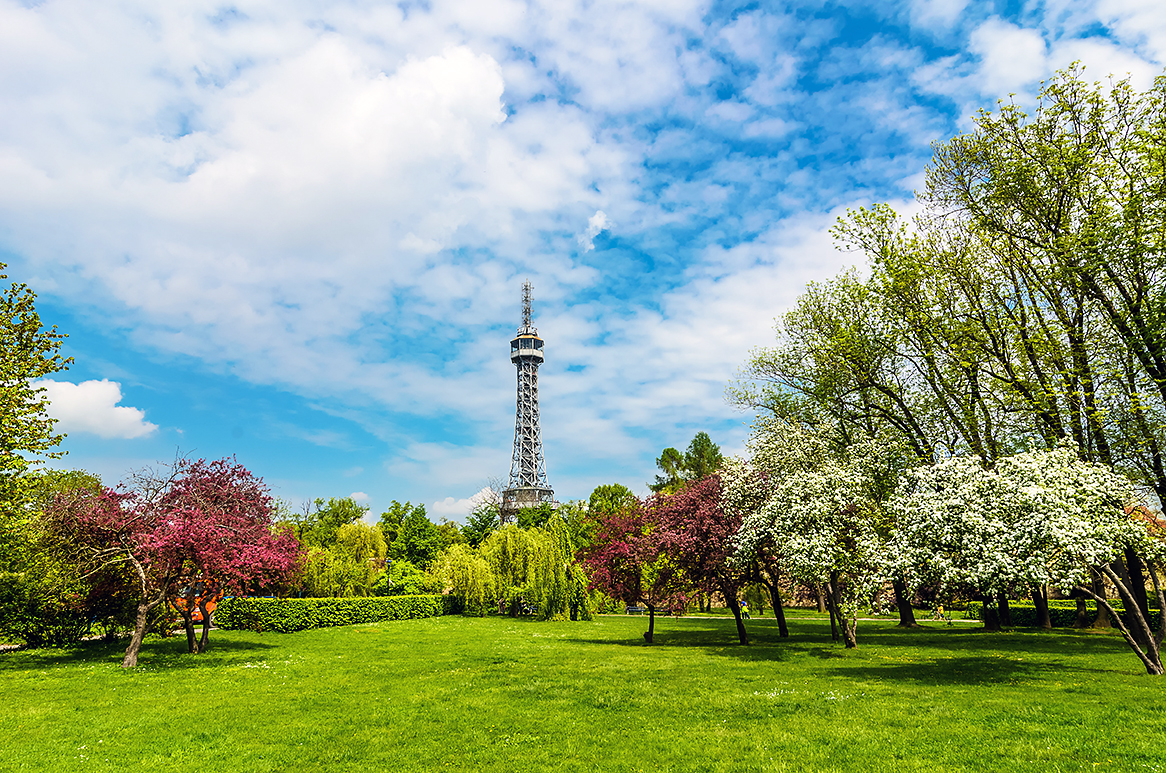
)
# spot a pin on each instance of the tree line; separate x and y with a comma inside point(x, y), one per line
point(981, 408)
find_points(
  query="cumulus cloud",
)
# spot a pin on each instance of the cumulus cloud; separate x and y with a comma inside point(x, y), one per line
point(359, 497)
point(596, 224)
point(92, 407)
point(457, 509)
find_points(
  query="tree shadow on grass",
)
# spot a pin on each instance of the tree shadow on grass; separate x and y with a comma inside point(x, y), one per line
point(936, 654)
point(168, 653)
point(969, 669)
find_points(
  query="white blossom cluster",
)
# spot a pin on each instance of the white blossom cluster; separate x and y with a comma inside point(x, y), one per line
point(1042, 517)
point(815, 504)
point(822, 505)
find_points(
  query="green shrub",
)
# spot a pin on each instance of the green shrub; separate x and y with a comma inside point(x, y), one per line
point(1062, 612)
point(287, 615)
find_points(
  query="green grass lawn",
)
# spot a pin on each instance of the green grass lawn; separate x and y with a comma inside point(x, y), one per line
point(501, 694)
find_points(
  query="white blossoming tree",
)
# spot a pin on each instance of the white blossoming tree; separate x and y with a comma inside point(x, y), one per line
point(816, 500)
point(1042, 517)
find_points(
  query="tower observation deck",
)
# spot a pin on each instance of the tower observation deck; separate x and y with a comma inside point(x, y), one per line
point(528, 485)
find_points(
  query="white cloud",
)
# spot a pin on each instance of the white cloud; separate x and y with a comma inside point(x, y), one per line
point(359, 497)
point(937, 14)
point(92, 407)
point(457, 509)
point(1011, 57)
point(596, 224)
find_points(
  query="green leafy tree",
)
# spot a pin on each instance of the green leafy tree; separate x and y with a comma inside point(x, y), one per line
point(701, 459)
point(28, 352)
point(482, 521)
point(418, 540)
point(611, 498)
point(451, 534)
point(319, 524)
point(468, 576)
point(391, 519)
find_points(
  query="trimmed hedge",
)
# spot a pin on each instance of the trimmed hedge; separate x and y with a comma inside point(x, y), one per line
point(287, 615)
point(1062, 613)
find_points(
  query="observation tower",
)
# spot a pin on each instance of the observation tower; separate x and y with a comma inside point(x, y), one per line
point(528, 485)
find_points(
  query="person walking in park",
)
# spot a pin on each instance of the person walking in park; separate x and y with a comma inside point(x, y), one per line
point(745, 610)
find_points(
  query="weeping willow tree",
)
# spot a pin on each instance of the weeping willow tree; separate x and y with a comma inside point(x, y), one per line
point(556, 585)
point(469, 577)
point(510, 552)
point(521, 571)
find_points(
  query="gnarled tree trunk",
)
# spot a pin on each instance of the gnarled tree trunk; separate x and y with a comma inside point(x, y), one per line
point(903, 602)
point(730, 595)
point(1040, 600)
point(778, 609)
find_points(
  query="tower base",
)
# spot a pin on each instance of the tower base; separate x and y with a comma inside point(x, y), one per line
point(515, 499)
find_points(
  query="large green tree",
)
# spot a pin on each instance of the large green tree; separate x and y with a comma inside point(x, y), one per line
point(701, 459)
point(28, 351)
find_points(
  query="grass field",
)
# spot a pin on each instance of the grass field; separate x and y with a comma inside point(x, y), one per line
point(457, 693)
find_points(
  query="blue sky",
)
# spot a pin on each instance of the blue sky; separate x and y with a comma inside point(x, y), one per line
point(296, 232)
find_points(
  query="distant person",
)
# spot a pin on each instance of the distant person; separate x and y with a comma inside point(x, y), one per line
point(745, 610)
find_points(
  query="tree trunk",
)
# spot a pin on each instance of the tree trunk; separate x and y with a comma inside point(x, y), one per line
point(206, 624)
point(833, 618)
point(778, 609)
point(821, 597)
point(849, 625)
point(1102, 620)
point(188, 626)
point(1135, 582)
point(735, 606)
point(903, 602)
point(991, 613)
point(1082, 620)
point(1005, 613)
point(651, 623)
point(1040, 600)
point(1151, 655)
point(144, 608)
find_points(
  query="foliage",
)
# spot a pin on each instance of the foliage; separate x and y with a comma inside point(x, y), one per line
point(557, 586)
point(203, 524)
point(27, 352)
point(610, 498)
point(822, 500)
point(701, 459)
point(391, 519)
point(698, 535)
point(534, 517)
point(510, 553)
point(469, 578)
point(404, 579)
point(1042, 517)
point(287, 615)
point(418, 540)
point(47, 599)
point(319, 525)
point(483, 520)
point(628, 562)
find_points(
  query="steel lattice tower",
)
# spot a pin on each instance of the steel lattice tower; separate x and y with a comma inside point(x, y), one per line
point(528, 485)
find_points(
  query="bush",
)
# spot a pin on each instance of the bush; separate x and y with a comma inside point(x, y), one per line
point(1062, 613)
point(287, 615)
point(405, 579)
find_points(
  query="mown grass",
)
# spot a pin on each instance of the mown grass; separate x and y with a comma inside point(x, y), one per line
point(502, 694)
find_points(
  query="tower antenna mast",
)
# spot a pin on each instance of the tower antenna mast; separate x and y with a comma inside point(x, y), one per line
point(528, 486)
